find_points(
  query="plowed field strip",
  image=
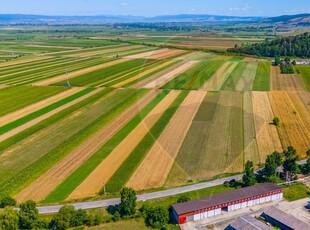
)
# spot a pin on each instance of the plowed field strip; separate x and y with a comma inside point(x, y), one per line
point(169, 76)
point(292, 129)
point(266, 133)
point(52, 178)
point(109, 165)
point(39, 105)
point(154, 169)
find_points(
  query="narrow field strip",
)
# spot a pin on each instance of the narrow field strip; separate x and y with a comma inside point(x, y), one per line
point(47, 182)
point(249, 138)
point(47, 111)
point(195, 77)
point(169, 76)
point(79, 175)
point(168, 54)
point(305, 74)
point(293, 131)
point(123, 173)
point(216, 78)
point(36, 106)
point(63, 137)
point(15, 98)
point(266, 135)
point(143, 73)
point(262, 79)
point(79, 72)
point(32, 119)
point(154, 169)
point(23, 61)
point(147, 54)
point(93, 183)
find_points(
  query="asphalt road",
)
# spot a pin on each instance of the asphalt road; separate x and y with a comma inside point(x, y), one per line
point(142, 197)
point(147, 196)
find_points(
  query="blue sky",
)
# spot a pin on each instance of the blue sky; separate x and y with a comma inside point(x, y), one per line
point(155, 7)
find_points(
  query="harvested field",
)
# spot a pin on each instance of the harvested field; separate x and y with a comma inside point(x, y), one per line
point(45, 116)
point(46, 183)
point(294, 129)
point(216, 82)
point(305, 97)
point(250, 146)
point(287, 82)
point(218, 118)
point(79, 72)
point(169, 76)
point(93, 183)
point(154, 169)
point(266, 133)
point(168, 54)
point(148, 54)
point(34, 107)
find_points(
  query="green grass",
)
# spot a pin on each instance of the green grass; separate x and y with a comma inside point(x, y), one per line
point(101, 76)
point(262, 79)
point(305, 73)
point(43, 111)
point(296, 191)
point(125, 171)
point(34, 170)
point(195, 77)
point(134, 224)
point(79, 175)
point(234, 77)
point(14, 98)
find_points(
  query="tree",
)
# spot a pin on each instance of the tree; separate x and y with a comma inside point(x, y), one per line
point(157, 217)
point(183, 199)
point(79, 218)
point(62, 219)
point(276, 121)
point(28, 215)
point(128, 202)
point(278, 158)
point(307, 166)
point(290, 161)
point(7, 201)
point(9, 219)
point(277, 61)
point(249, 178)
point(270, 166)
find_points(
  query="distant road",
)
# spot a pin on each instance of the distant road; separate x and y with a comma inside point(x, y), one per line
point(142, 197)
point(147, 196)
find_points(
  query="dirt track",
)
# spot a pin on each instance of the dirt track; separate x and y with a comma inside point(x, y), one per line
point(46, 183)
point(45, 116)
point(79, 72)
point(37, 106)
point(94, 182)
point(169, 76)
point(154, 169)
point(266, 133)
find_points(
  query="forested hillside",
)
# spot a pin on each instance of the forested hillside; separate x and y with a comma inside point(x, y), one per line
point(298, 46)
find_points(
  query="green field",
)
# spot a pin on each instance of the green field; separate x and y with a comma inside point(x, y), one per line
point(305, 73)
point(262, 79)
point(14, 98)
point(195, 77)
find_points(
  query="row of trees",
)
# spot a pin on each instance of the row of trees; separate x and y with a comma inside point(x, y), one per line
point(298, 46)
point(287, 159)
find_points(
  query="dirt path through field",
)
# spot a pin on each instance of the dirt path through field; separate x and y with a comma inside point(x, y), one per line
point(266, 133)
point(94, 182)
point(143, 73)
point(293, 129)
point(45, 116)
point(147, 54)
point(250, 146)
point(46, 183)
point(37, 106)
point(79, 72)
point(154, 169)
point(171, 75)
point(217, 78)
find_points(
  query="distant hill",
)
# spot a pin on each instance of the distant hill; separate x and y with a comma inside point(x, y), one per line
point(298, 19)
point(298, 46)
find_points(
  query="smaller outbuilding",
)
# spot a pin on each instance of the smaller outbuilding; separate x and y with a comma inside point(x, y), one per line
point(283, 220)
point(246, 223)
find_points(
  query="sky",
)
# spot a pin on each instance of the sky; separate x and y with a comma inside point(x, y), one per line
point(155, 7)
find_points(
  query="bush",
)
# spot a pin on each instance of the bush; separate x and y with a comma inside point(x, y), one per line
point(157, 217)
point(116, 216)
point(183, 199)
point(7, 201)
point(276, 121)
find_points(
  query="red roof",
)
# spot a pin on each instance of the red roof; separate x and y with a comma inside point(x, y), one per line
point(226, 197)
